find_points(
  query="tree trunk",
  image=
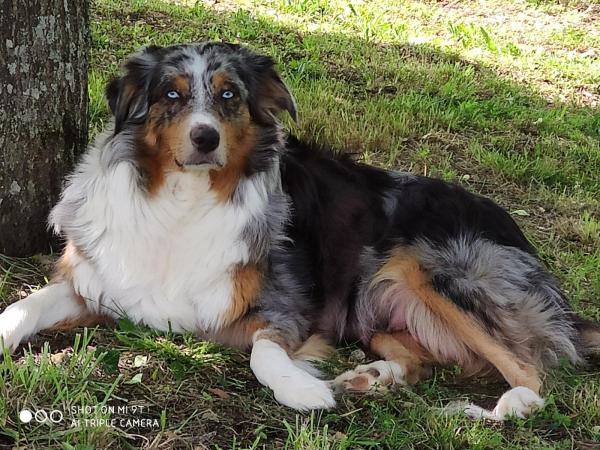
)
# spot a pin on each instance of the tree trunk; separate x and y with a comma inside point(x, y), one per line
point(43, 113)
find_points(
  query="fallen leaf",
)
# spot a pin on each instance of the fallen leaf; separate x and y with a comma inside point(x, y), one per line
point(136, 379)
point(219, 393)
point(140, 360)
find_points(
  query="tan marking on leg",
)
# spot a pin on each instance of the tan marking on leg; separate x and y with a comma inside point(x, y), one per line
point(402, 348)
point(239, 334)
point(315, 348)
point(405, 363)
point(87, 319)
point(465, 327)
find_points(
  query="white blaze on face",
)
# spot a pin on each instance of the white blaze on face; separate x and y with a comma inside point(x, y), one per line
point(197, 118)
point(202, 112)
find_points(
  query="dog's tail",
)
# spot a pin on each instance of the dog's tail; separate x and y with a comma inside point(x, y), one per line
point(589, 335)
point(315, 348)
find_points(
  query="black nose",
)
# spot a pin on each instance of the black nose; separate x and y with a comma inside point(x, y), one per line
point(205, 138)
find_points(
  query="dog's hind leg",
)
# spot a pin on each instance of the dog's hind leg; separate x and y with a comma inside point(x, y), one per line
point(449, 333)
point(405, 362)
point(523, 377)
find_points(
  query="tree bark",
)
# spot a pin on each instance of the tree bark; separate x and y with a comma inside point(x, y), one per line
point(43, 113)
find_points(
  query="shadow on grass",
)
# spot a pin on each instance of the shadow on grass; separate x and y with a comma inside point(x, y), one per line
point(411, 101)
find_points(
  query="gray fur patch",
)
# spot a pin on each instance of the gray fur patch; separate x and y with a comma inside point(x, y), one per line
point(390, 197)
point(368, 307)
point(284, 303)
point(507, 289)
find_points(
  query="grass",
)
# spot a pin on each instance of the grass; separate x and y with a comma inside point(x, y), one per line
point(500, 96)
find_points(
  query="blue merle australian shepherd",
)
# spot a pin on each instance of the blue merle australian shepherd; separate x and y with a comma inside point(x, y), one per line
point(195, 212)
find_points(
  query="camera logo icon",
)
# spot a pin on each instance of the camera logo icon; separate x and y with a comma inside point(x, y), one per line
point(41, 416)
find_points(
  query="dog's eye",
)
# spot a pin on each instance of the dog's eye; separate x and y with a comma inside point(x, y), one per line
point(227, 95)
point(173, 95)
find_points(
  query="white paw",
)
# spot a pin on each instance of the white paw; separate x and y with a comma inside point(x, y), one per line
point(303, 392)
point(374, 376)
point(292, 386)
point(519, 401)
point(13, 329)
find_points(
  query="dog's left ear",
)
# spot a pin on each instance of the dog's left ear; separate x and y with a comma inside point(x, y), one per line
point(268, 94)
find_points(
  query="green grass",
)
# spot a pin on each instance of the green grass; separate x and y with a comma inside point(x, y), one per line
point(500, 96)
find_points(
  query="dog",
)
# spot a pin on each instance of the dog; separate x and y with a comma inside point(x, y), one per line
point(195, 211)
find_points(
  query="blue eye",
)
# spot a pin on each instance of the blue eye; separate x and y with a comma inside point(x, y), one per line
point(173, 95)
point(227, 95)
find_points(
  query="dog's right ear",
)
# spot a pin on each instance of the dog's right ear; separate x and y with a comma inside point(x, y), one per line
point(128, 95)
point(113, 88)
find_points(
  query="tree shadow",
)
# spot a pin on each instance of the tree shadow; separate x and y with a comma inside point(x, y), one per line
point(397, 100)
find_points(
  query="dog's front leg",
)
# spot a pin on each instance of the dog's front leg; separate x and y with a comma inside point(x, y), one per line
point(46, 308)
point(291, 385)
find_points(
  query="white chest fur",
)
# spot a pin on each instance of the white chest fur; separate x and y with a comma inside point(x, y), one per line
point(165, 260)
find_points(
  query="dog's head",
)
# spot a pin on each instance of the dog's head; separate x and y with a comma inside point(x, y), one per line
point(198, 106)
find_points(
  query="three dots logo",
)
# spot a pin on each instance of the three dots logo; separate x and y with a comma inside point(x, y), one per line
point(41, 416)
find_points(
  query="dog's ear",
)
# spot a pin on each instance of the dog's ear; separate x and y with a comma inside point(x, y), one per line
point(128, 95)
point(268, 94)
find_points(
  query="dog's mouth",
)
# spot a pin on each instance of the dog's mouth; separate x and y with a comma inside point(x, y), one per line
point(199, 160)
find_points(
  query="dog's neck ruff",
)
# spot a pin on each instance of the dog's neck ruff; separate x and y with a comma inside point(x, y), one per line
point(166, 259)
